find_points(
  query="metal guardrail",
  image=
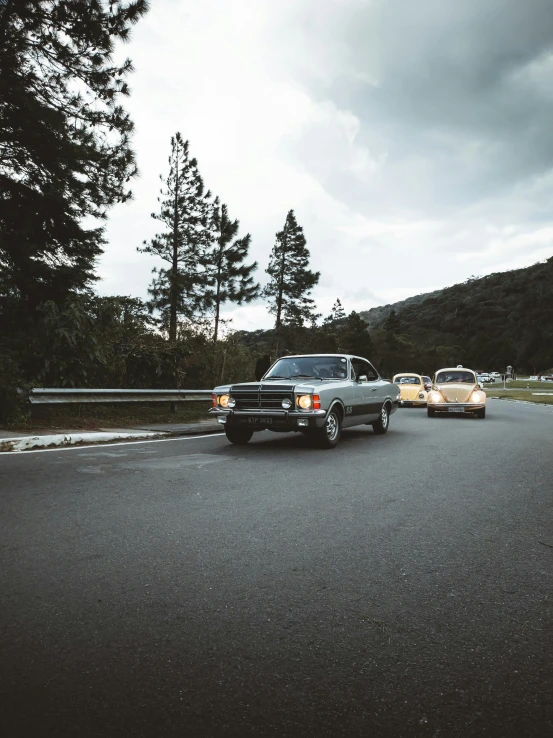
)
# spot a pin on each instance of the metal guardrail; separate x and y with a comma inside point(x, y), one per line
point(56, 396)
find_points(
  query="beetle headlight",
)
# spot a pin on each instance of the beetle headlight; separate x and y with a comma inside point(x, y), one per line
point(477, 397)
point(421, 395)
point(223, 400)
point(304, 401)
point(435, 397)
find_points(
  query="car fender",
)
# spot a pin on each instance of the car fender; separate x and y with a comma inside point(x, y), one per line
point(339, 402)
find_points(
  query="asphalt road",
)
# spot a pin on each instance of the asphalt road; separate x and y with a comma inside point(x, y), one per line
point(399, 585)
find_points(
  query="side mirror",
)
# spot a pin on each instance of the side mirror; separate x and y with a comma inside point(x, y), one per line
point(363, 378)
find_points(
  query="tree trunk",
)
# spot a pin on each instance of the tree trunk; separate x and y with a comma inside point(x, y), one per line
point(279, 299)
point(218, 297)
point(175, 264)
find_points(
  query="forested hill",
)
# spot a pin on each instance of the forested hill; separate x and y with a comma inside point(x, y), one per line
point(489, 322)
point(377, 315)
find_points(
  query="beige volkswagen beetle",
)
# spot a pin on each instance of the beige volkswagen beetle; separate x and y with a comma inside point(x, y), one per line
point(456, 391)
point(411, 390)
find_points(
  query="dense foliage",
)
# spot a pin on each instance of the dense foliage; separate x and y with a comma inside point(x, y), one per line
point(486, 323)
point(64, 138)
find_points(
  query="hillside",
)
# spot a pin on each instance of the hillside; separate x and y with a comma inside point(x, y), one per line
point(490, 322)
point(377, 315)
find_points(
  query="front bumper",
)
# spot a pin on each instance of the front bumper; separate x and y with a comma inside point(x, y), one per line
point(412, 403)
point(459, 407)
point(279, 420)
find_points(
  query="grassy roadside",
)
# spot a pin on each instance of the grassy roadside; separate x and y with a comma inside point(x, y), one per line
point(520, 394)
point(522, 384)
point(93, 417)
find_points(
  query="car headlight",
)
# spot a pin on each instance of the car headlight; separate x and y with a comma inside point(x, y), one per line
point(435, 397)
point(304, 401)
point(223, 400)
point(286, 403)
point(477, 397)
point(421, 395)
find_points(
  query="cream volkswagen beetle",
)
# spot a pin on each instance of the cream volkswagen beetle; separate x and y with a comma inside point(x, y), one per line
point(456, 391)
point(411, 390)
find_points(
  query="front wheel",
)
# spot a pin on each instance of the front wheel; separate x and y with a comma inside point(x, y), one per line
point(381, 425)
point(239, 436)
point(329, 435)
point(481, 413)
point(430, 412)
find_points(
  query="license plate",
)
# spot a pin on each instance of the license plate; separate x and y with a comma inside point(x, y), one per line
point(456, 409)
point(260, 421)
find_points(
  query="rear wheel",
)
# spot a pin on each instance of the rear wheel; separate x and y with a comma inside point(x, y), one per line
point(430, 412)
point(381, 425)
point(481, 413)
point(329, 435)
point(240, 436)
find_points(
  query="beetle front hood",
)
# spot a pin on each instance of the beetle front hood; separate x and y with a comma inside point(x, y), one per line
point(410, 391)
point(456, 392)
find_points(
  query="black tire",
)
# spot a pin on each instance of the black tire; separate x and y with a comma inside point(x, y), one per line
point(329, 435)
point(481, 413)
point(430, 412)
point(239, 436)
point(381, 426)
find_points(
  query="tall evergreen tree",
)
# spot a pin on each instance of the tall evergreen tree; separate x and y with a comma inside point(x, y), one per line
point(392, 323)
point(337, 314)
point(355, 338)
point(179, 289)
point(291, 279)
point(229, 278)
point(64, 138)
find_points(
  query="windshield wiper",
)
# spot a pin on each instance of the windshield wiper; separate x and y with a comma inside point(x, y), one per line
point(305, 376)
point(274, 376)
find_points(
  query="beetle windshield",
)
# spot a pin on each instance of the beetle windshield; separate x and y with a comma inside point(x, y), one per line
point(456, 378)
point(407, 380)
point(318, 367)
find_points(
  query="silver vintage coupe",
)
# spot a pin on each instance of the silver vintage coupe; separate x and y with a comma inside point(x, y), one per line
point(315, 394)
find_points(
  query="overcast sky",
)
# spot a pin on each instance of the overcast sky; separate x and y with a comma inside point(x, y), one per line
point(413, 138)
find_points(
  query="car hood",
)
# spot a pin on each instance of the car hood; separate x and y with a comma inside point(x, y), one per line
point(283, 385)
point(410, 391)
point(456, 392)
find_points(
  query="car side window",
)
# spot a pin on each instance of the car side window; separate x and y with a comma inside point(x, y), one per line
point(360, 368)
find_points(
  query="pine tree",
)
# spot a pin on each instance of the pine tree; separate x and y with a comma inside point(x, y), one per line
point(291, 280)
point(355, 338)
point(178, 290)
point(392, 324)
point(229, 278)
point(337, 314)
point(64, 138)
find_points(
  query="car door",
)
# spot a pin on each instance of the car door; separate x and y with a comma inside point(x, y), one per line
point(367, 391)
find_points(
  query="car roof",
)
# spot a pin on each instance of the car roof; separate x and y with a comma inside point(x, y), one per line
point(322, 353)
point(408, 374)
point(456, 369)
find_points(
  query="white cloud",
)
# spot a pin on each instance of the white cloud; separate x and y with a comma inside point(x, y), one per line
point(341, 112)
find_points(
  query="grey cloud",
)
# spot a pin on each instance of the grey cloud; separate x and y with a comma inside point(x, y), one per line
point(458, 95)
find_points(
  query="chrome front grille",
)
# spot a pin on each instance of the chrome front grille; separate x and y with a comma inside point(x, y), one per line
point(264, 400)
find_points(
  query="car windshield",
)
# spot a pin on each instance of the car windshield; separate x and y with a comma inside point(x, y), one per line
point(318, 367)
point(426, 379)
point(407, 380)
point(455, 377)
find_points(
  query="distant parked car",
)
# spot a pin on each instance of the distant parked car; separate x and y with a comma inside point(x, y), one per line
point(411, 390)
point(456, 391)
point(495, 375)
